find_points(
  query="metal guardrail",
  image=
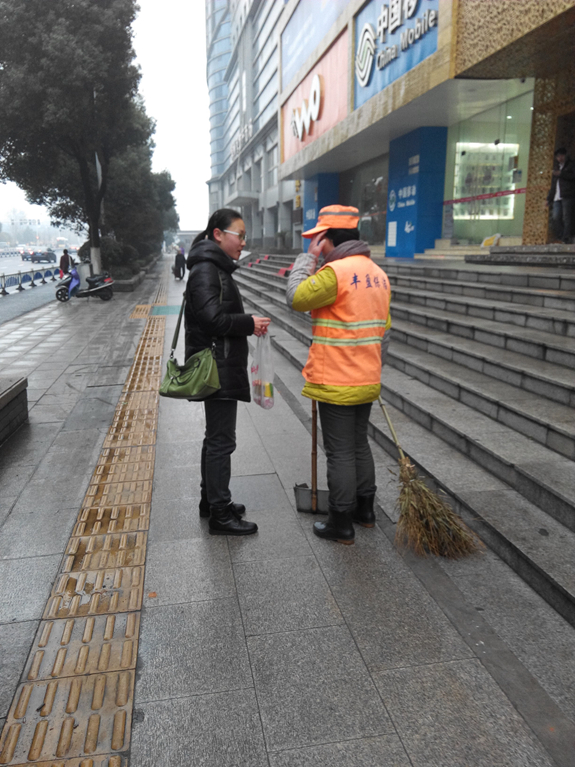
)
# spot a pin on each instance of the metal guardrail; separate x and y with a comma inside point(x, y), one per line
point(27, 278)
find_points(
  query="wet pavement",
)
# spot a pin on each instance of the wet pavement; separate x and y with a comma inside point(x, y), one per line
point(128, 635)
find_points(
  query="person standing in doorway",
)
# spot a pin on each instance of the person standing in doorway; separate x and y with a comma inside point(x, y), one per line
point(562, 196)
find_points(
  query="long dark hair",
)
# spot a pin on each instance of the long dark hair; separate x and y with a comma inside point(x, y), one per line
point(221, 219)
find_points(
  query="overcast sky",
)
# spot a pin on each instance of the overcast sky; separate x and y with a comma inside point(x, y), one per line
point(170, 44)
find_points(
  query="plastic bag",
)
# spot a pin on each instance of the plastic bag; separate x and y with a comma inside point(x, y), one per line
point(262, 371)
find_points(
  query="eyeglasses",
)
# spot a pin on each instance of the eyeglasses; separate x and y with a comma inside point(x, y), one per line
point(241, 235)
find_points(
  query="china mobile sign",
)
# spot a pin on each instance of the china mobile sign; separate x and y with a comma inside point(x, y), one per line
point(390, 39)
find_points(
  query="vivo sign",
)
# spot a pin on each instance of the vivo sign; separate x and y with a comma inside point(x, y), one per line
point(309, 112)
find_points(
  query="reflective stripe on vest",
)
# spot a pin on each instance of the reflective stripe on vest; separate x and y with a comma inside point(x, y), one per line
point(347, 335)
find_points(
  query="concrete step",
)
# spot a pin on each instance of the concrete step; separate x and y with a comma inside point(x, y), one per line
point(548, 299)
point(545, 379)
point(517, 276)
point(547, 422)
point(543, 476)
point(554, 321)
point(536, 546)
point(532, 343)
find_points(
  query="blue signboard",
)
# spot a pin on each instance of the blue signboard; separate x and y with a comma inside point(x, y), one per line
point(415, 191)
point(390, 39)
point(307, 27)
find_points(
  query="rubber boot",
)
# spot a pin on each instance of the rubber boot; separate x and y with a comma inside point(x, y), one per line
point(237, 508)
point(338, 527)
point(224, 522)
point(364, 514)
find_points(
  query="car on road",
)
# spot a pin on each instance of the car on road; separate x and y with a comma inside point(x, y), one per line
point(26, 255)
point(48, 256)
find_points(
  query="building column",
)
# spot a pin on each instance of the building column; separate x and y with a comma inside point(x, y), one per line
point(415, 191)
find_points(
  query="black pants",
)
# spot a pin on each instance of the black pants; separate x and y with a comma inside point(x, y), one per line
point(219, 444)
point(563, 219)
point(350, 468)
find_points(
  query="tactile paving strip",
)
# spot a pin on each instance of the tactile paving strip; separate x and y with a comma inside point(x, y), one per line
point(140, 312)
point(79, 646)
point(45, 722)
point(96, 592)
point(99, 520)
point(161, 295)
point(74, 706)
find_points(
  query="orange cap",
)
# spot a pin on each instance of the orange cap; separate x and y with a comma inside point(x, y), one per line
point(335, 217)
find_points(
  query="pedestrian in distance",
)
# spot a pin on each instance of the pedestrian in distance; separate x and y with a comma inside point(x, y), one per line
point(214, 313)
point(180, 265)
point(561, 196)
point(349, 300)
point(64, 263)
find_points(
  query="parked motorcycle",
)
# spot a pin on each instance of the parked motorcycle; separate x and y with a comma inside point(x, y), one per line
point(99, 285)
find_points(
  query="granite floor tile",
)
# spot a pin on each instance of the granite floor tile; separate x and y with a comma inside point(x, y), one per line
point(29, 445)
point(312, 686)
point(188, 571)
point(6, 504)
point(180, 455)
point(221, 730)
point(279, 536)
point(25, 585)
point(551, 662)
point(284, 595)
point(385, 751)
point(177, 519)
point(15, 477)
point(36, 533)
point(454, 714)
point(261, 493)
point(192, 649)
point(176, 482)
point(50, 494)
point(15, 643)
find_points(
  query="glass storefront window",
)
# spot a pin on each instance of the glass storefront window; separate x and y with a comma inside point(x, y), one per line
point(487, 164)
point(365, 187)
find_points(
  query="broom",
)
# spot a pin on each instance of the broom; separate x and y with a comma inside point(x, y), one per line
point(427, 524)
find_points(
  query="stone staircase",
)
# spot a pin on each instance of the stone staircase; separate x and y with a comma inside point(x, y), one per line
point(480, 382)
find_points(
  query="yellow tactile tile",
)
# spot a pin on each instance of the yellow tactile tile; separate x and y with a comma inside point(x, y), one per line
point(96, 592)
point(99, 520)
point(69, 717)
point(140, 312)
point(80, 646)
point(74, 708)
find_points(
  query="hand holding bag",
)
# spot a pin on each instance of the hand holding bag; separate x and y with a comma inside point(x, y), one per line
point(262, 371)
point(197, 378)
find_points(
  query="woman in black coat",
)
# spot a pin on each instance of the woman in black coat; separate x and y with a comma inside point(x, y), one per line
point(215, 314)
point(180, 265)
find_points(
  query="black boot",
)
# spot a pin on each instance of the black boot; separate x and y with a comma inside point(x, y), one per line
point(364, 514)
point(337, 528)
point(237, 508)
point(224, 522)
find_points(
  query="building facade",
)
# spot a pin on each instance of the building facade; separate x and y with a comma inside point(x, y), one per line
point(438, 119)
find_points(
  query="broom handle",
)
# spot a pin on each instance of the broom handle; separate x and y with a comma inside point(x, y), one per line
point(313, 455)
point(391, 429)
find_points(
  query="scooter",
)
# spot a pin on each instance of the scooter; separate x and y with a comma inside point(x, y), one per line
point(99, 285)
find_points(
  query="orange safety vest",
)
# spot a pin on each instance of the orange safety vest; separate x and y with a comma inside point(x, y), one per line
point(346, 348)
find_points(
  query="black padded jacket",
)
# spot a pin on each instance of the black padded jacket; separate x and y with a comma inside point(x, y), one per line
point(214, 310)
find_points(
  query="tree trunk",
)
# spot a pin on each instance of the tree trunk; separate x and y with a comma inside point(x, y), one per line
point(95, 252)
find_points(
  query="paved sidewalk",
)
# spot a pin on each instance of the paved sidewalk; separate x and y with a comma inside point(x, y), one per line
point(277, 649)
point(285, 650)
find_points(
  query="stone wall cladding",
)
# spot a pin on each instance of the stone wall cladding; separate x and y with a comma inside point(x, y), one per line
point(484, 27)
point(13, 415)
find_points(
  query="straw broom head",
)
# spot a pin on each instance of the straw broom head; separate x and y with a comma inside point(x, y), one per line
point(427, 524)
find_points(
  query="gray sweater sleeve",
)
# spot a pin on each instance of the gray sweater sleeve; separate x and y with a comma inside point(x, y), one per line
point(304, 266)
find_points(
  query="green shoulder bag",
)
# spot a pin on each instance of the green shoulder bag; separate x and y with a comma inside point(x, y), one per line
point(197, 378)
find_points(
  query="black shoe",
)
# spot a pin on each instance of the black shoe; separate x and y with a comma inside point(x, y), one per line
point(237, 508)
point(364, 514)
point(337, 528)
point(224, 522)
